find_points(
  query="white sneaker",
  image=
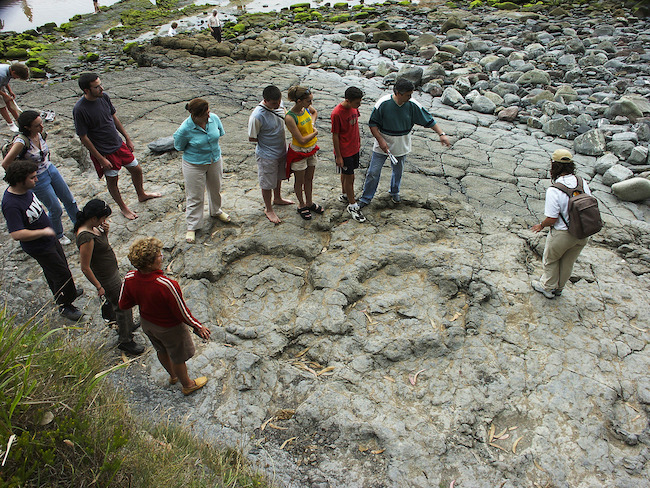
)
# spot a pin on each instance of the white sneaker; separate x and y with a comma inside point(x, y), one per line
point(13, 127)
point(356, 214)
point(343, 198)
point(537, 286)
point(64, 240)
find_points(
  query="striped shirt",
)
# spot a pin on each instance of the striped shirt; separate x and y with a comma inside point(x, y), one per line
point(160, 299)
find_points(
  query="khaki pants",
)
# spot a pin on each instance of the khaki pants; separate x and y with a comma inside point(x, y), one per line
point(560, 254)
point(198, 178)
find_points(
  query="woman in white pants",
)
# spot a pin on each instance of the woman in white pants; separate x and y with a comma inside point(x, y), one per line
point(198, 138)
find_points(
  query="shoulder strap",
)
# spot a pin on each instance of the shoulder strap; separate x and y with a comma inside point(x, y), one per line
point(26, 145)
point(293, 115)
point(272, 111)
point(563, 188)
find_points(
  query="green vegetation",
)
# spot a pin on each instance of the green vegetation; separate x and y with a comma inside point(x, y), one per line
point(63, 427)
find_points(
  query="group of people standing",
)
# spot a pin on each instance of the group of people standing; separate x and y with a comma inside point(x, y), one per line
point(35, 183)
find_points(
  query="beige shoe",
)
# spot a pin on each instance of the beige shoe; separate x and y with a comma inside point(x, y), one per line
point(190, 237)
point(223, 216)
point(198, 384)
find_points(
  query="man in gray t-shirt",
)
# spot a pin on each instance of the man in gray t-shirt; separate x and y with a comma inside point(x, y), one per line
point(266, 128)
point(99, 129)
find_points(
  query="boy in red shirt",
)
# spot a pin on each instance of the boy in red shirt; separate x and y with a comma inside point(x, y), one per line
point(347, 143)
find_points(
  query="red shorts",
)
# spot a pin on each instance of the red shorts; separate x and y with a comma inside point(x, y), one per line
point(122, 157)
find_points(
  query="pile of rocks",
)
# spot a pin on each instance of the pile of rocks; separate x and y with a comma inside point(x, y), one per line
point(562, 75)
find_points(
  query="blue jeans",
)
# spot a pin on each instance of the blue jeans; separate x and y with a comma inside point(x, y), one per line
point(374, 172)
point(50, 188)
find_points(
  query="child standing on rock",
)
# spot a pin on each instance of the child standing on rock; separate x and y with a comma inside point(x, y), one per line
point(301, 155)
point(347, 144)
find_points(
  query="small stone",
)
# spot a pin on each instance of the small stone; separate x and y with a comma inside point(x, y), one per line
point(509, 114)
point(162, 145)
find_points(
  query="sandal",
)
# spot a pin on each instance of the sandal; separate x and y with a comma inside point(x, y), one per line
point(304, 213)
point(317, 208)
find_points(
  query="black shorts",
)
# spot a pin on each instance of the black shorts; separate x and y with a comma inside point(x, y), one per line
point(349, 165)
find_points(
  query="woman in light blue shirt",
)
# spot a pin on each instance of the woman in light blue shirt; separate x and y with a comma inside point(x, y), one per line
point(198, 138)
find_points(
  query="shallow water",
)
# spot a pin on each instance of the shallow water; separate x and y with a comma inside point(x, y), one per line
point(20, 15)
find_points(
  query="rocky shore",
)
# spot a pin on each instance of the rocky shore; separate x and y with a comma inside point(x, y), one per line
point(410, 350)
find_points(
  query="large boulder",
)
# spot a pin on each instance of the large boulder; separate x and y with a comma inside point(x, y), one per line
point(639, 155)
point(605, 162)
point(561, 126)
point(411, 73)
point(591, 143)
point(484, 105)
point(452, 97)
point(632, 190)
point(632, 107)
point(622, 149)
point(616, 174)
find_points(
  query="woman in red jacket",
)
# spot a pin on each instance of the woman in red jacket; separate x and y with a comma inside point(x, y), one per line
point(163, 312)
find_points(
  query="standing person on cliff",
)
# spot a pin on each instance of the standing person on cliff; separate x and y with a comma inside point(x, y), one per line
point(99, 129)
point(347, 144)
point(215, 25)
point(266, 129)
point(562, 248)
point(28, 223)
point(7, 96)
point(391, 122)
point(164, 315)
point(301, 155)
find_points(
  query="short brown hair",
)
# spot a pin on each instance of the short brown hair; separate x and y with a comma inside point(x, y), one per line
point(20, 70)
point(144, 252)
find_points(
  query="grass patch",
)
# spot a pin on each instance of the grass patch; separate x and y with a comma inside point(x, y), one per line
point(62, 426)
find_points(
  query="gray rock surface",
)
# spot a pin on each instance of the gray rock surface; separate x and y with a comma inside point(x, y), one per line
point(409, 350)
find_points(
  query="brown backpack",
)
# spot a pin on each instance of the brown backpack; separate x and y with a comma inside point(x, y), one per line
point(584, 216)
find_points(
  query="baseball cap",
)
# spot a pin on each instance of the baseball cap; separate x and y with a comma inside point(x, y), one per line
point(562, 156)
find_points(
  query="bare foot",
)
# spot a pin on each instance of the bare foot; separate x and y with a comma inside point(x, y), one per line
point(282, 201)
point(129, 214)
point(270, 214)
point(149, 196)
